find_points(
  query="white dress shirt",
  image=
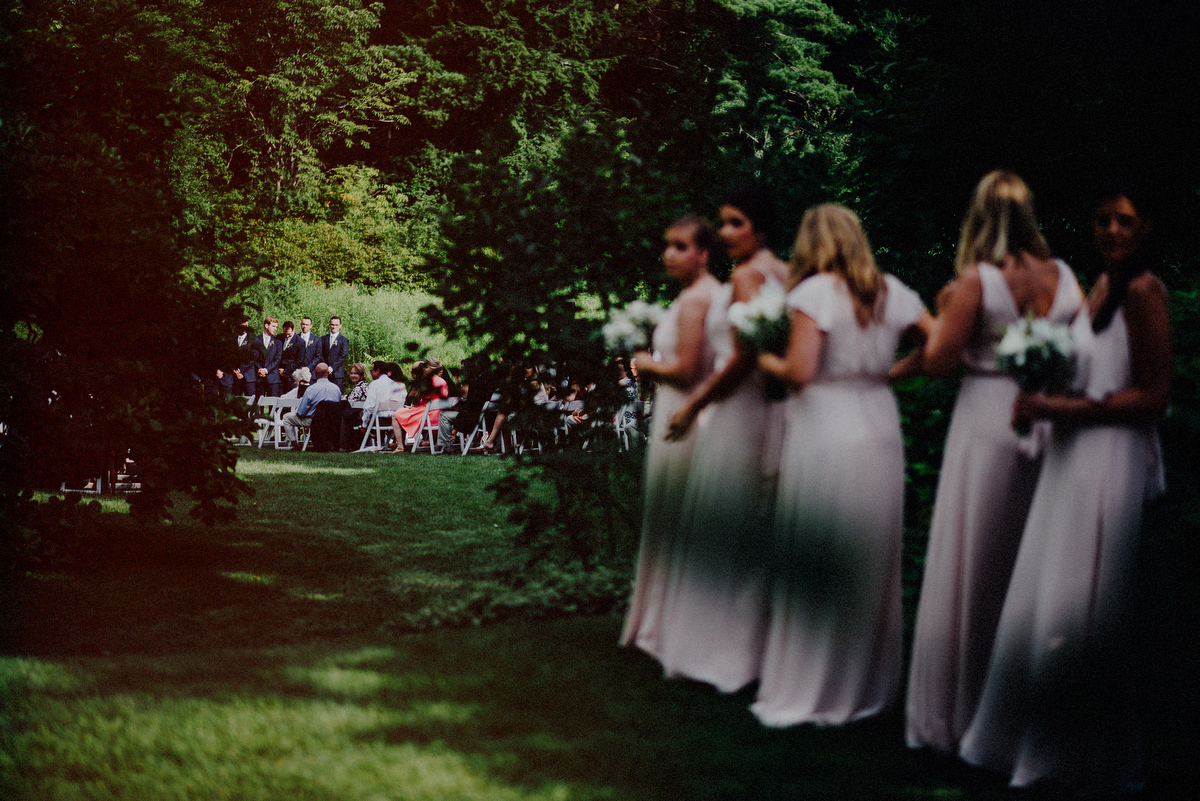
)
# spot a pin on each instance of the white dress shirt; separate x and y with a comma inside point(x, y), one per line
point(380, 390)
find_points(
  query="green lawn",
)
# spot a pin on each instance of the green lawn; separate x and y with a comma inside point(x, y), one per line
point(324, 648)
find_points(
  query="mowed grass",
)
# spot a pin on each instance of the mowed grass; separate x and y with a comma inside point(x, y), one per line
point(324, 648)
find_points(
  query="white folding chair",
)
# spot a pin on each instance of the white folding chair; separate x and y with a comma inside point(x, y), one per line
point(481, 428)
point(427, 428)
point(282, 407)
point(381, 425)
point(265, 418)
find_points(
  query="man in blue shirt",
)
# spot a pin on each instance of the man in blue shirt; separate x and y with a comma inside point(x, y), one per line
point(321, 389)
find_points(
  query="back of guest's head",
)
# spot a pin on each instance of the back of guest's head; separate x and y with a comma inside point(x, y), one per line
point(1000, 223)
point(756, 203)
point(301, 375)
point(434, 366)
point(321, 371)
point(831, 240)
point(704, 236)
point(395, 372)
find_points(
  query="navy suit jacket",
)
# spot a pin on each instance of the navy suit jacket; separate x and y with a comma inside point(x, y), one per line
point(312, 353)
point(335, 357)
point(246, 355)
point(267, 358)
point(293, 354)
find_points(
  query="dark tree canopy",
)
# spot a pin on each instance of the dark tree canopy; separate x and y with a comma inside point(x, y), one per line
point(104, 332)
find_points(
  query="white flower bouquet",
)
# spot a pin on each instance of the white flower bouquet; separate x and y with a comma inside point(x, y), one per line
point(1038, 354)
point(629, 329)
point(762, 324)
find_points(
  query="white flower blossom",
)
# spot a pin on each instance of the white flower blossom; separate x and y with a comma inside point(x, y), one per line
point(1037, 353)
point(629, 329)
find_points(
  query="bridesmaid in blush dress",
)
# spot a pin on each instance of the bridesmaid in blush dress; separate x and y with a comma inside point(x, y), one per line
point(833, 651)
point(988, 473)
point(714, 609)
point(682, 358)
point(1057, 705)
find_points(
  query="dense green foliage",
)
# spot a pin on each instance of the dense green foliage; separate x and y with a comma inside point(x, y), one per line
point(518, 159)
point(103, 333)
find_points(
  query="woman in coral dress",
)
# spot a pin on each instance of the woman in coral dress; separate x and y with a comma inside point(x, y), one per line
point(1057, 704)
point(833, 650)
point(715, 603)
point(428, 385)
point(988, 472)
point(682, 358)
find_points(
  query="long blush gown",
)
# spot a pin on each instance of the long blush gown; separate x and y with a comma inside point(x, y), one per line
point(1056, 703)
point(665, 479)
point(833, 645)
point(986, 484)
point(715, 605)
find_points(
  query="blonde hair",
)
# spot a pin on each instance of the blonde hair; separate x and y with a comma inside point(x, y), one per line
point(1000, 223)
point(831, 240)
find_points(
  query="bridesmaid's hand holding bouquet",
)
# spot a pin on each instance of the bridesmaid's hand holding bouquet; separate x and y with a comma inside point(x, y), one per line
point(763, 325)
point(1039, 355)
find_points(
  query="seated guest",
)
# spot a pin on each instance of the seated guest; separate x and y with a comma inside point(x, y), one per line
point(627, 387)
point(479, 381)
point(350, 432)
point(321, 390)
point(358, 379)
point(515, 394)
point(300, 378)
point(382, 388)
point(428, 384)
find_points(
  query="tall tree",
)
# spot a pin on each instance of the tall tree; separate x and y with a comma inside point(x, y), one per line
point(104, 336)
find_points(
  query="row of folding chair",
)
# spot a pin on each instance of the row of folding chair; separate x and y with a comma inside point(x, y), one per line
point(376, 435)
point(268, 417)
point(271, 428)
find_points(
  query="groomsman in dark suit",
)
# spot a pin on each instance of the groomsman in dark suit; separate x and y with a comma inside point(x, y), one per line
point(312, 345)
point(267, 353)
point(334, 349)
point(234, 380)
point(292, 354)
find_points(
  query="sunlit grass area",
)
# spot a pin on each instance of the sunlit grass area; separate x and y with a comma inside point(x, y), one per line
point(512, 711)
point(117, 504)
point(324, 647)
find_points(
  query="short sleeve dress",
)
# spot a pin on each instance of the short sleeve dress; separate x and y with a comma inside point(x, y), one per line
point(1057, 701)
point(715, 610)
point(833, 651)
point(984, 490)
point(665, 478)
